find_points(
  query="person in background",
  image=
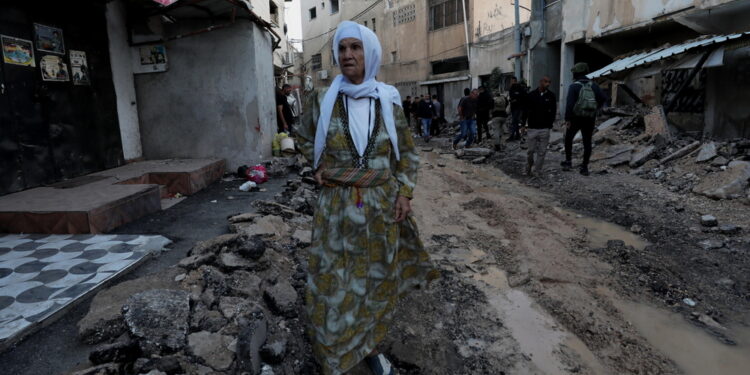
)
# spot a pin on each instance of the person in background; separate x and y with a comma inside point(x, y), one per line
point(517, 95)
point(294, 105)
point(584, 100)
point(541, 107)
point(406, 105)
point(438, 120)
point(284, 116)
point(426, 113)
point(484, 107)
point(467, 111)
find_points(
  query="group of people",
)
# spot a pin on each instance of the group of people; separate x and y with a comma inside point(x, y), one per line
point(535, 112)
point(427, 113)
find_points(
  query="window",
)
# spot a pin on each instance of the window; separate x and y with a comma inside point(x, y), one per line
point(334, 6)
point(373, 25)
point(313, 13)
point(394, 56)
point(317, 62)
point(405, 14)
point(444, 13)
point(274, 12)
point(366, 24)
point(455, 64)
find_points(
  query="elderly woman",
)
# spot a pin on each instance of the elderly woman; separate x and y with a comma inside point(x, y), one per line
point(365, 251)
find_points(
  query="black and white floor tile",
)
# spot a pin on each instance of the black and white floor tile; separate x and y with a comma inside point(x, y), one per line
point(41, 274)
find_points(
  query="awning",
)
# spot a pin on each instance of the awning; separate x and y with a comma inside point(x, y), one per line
point(445, 80)
point(644, 58)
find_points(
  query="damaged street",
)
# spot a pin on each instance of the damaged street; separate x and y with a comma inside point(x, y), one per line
point(537, 276)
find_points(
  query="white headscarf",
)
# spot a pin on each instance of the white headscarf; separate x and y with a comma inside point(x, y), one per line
point(369, 88)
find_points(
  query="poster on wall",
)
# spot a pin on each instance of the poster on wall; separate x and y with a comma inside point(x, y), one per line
point(49, 39)
point(151, 59)
point(54, 69)
point(17, 51)
point(79, 68)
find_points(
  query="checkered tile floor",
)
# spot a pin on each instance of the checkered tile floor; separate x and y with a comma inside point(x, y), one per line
point(41, 274)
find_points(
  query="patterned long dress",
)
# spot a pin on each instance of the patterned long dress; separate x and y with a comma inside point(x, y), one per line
point(361, 260)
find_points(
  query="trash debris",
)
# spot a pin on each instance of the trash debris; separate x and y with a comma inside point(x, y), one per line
point(247, 186)
point(689, 302)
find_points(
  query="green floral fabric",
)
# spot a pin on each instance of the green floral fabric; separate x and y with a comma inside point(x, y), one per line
point(361, 260)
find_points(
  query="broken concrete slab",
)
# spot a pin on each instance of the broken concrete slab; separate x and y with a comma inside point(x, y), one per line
point(609, 123)
point(269, 225)
point(618, 160)
point(473, 153)
point(212, 348)
point(604, 153)
point(251, 338)
point(642, 156)
point(708, 151)
point(656, 123)
point(104, 318)
point(719, 161)
point(728, 184)
point(122, 350)
point(246, 217)
point(158, 319)
point(556, 138)
point(243, 283)
point(215, 244)
point(479, 160)
point(304, 237)
point(681, 152)
point(281, 298)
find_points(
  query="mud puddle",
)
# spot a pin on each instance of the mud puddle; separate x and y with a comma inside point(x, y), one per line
point(693, 350)
point(539, 337)
point(598, 232)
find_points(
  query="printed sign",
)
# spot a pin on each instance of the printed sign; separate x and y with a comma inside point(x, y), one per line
point(151, 59)
point(18, 51)
point(49, 39)
point(79, 68)
point(54, 69)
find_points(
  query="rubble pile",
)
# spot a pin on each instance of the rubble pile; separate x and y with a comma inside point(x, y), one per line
point(237, 307)
point(641, 142)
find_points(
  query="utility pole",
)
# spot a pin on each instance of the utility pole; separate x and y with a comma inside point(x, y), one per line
point(466, 31)
point(517, 37)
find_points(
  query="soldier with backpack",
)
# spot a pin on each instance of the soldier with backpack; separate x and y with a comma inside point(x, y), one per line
point(584, 100)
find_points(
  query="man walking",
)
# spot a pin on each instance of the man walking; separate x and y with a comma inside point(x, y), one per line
point(467, 110)
point(284, 116)
point(541, 107)
point(406, 105)
point(517, 94)
point(485, 105)
point(584, 100)
point(435, 127)
point(426, 113)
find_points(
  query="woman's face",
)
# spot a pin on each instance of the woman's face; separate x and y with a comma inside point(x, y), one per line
point(352, 60)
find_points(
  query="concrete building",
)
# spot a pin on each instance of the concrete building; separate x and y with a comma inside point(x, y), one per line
point(428, 46)
point(565, 32)
point(192, 79)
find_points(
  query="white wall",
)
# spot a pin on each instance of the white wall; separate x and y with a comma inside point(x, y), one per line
point(122, 77)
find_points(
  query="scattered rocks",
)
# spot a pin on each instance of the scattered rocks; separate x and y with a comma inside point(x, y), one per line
point(729, 229)
point(479, 160)
point(711, 244)
point(719, 161)
point(159, 319)
point(304, 237)
point(709, 221)
point(681, 152)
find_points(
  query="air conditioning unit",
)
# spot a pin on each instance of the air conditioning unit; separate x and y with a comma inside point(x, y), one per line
point(288, 58)
point(323, 74)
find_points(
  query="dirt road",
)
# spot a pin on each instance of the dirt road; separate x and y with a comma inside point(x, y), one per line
point(523, 292)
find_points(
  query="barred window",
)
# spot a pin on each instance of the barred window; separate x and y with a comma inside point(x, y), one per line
point(317, 62)
point(444, 13)
point(405, 14)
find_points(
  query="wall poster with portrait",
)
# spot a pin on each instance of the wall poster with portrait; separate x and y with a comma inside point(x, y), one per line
point(49, 39)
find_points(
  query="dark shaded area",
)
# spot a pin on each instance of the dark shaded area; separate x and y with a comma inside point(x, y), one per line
point(57, 130)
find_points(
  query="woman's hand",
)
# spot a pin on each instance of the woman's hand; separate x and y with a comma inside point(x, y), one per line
point(319, 175)
point(403, 208)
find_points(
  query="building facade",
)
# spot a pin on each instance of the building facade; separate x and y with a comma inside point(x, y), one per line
point(565, 32)
point(429, 47)
point(89, 85)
